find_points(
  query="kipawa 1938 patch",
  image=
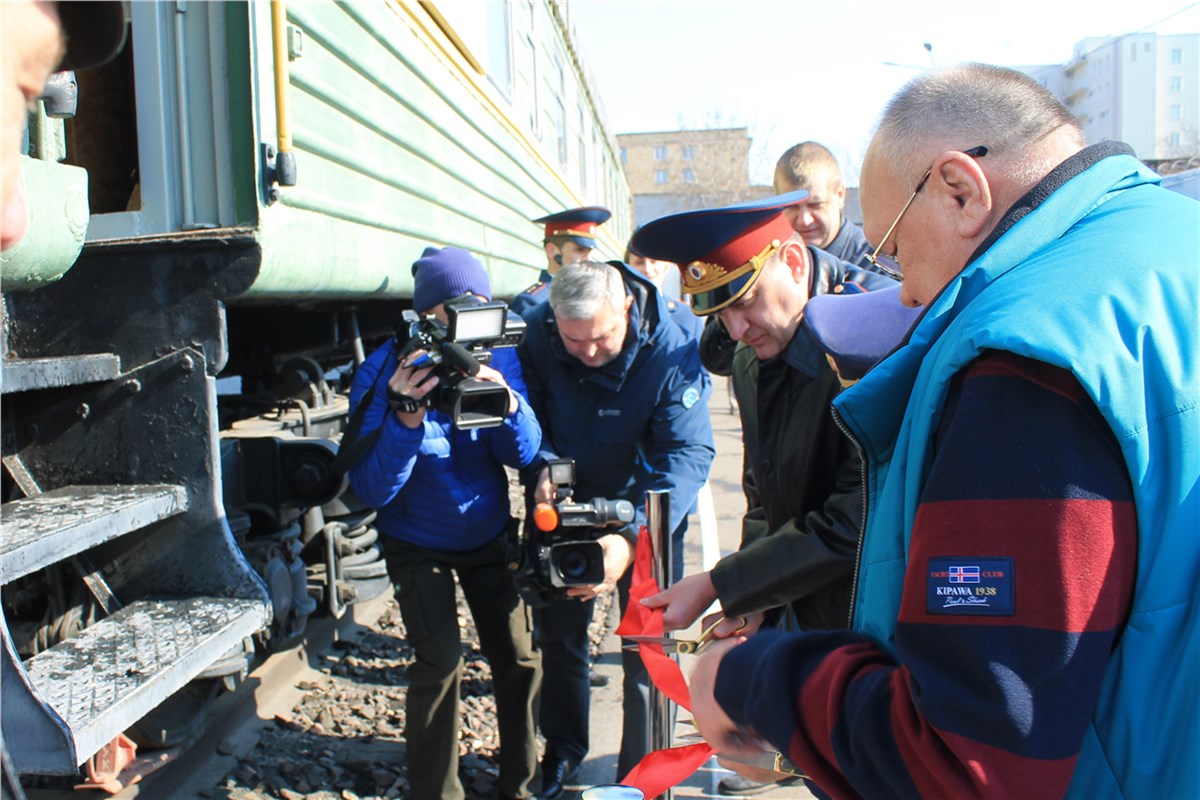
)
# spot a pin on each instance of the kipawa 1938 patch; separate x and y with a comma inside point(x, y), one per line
point(972, 585)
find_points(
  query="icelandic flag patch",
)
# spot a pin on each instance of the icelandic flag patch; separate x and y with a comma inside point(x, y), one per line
point(971, 585)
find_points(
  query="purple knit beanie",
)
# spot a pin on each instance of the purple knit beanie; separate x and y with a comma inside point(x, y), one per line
point(442, 273)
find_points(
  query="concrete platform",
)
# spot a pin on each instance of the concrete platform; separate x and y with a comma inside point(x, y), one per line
point(728, 504)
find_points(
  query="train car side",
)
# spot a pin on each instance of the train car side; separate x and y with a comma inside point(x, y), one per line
point(259, 178)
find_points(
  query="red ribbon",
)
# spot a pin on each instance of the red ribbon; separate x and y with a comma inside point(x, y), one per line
point(661, 769)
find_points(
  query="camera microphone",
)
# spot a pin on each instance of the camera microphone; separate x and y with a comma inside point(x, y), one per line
point(460, 358)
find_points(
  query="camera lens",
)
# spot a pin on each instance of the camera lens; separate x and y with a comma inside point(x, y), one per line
point(575, 564)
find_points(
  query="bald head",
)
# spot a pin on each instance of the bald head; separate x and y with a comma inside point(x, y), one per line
point(974, 138)
point(966, 105)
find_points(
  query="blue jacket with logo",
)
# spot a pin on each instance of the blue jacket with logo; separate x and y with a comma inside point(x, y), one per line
point(436, 486)
point(637, 423)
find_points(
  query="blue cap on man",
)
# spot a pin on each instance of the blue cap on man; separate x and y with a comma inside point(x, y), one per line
point(443, 273)
point(577, 224)
point(720, 251)
point(857, 328)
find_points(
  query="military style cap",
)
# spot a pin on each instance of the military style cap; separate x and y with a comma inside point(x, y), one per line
point(720, 251)
point(95, 31)
point(857, 328)
point(577, 223)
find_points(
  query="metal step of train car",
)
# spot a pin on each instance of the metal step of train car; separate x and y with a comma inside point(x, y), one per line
point(105, 613)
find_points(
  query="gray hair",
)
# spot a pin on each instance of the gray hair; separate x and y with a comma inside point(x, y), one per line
point(581, 290)
point(967, 105)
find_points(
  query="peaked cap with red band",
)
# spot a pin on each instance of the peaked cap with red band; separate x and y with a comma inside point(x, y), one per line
point(577, 223)
point(720, 251)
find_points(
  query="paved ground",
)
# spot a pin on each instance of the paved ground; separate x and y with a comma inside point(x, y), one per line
point(728, 503)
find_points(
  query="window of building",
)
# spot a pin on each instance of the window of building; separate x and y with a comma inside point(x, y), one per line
point(1177, 55)
point(581, 148)
point(660, 153)
point(689, 176)
point(689, 152)
point(1133, 52)
point(624, 155)
point(557, 107)
point(1175, 139)
point(1177, 84)
point(660, 176)
point(1176, 112)
point(499, 53)
point(528, 92)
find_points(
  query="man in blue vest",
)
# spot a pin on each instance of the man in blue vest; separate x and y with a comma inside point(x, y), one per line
point(1024, 619)
point(570, 237)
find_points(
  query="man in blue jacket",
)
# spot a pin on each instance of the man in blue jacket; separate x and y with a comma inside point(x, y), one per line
point(444, 509)
point(1024, 619)
point(619, 388)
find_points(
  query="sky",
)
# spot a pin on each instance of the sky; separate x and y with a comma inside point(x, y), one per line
point(795, 70)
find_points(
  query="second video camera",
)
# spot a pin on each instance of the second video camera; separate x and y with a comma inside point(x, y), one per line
point(455, 350)
point(560, 548)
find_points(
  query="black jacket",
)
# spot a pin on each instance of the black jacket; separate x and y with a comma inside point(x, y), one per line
point(802, 479)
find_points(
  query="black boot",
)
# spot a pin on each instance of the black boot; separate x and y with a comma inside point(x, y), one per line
point(556, 772)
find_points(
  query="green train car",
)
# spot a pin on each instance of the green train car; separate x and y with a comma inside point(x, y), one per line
point(219, 232)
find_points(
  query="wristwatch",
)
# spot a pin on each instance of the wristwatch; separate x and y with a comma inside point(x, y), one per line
point(402, 402)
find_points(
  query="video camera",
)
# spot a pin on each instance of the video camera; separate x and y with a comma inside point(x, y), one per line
point(560, 548)
point(455, 351)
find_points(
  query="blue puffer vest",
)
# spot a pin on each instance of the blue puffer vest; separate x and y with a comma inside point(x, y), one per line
point(1099, 278)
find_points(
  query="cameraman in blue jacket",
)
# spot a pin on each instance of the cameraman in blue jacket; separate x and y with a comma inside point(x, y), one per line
point(443, 501)
point(617, 386)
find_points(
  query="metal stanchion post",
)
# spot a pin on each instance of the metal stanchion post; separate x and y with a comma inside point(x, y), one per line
point(661, 711)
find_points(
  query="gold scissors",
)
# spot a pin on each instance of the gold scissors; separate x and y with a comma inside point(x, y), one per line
point(762, 756)
point(680, 646)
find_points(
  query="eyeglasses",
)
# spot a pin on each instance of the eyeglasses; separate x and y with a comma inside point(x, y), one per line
point(888, 265)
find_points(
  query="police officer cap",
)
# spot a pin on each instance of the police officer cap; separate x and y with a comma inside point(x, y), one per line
point(857, 328)
point(95, 31)
point(720, 251)
point(578, 224)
